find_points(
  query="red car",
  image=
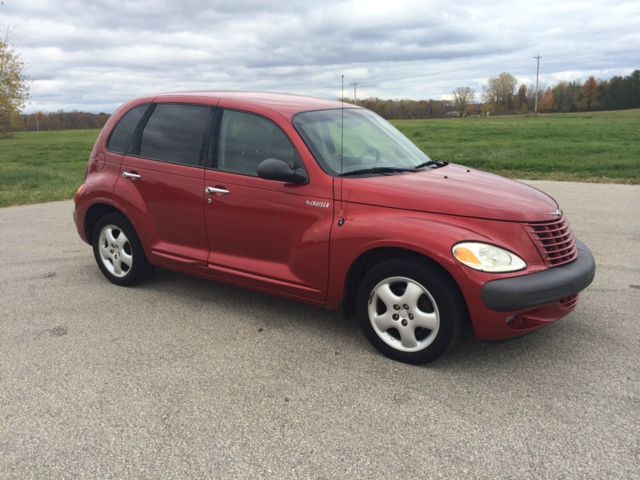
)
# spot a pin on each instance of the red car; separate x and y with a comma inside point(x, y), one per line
point(328, 204)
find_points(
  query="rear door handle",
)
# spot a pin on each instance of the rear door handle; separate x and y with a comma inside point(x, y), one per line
point(222, 191)
point(131, 175)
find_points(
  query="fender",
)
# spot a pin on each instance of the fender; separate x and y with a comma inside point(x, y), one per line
point(428, 234)
point(88, 198)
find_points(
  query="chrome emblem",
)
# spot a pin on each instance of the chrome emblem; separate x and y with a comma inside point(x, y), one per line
point(557, 213)
point(315, 203)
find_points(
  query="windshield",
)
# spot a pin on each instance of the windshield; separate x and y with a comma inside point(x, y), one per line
point(368, 142)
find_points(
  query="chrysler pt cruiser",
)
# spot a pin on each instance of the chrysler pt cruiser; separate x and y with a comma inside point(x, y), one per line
point(328, 204)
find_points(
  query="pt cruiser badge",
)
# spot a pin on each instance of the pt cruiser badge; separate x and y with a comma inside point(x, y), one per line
point(315, 203)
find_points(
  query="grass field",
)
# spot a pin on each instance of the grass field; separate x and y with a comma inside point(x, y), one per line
point(593, 147)
point(44, 166)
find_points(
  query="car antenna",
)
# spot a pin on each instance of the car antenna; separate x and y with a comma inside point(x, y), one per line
point(341, 217)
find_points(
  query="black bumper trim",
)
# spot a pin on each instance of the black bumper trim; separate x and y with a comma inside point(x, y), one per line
point(542, 288)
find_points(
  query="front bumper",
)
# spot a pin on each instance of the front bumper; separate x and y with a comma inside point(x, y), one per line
point(542, 288)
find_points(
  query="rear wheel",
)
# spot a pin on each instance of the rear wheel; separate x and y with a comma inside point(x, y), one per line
point(408, 310)
point(118, 252)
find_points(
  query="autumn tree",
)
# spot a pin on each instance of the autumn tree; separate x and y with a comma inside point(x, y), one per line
point(548, 101)
point(522, 103)
point(14, 90)
point(589, 92)
point(462, 97)
point(500, 91)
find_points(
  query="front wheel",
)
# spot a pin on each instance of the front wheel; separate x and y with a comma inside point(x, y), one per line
point(409, 311)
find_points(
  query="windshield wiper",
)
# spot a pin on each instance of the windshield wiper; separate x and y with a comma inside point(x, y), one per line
point(431, 163)
point(381, 170)
point(389, 170)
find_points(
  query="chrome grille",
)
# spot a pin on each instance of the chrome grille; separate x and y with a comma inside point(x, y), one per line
point(554, 240)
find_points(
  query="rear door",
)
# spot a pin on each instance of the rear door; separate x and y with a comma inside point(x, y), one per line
point(264, 233)
point(163, 174)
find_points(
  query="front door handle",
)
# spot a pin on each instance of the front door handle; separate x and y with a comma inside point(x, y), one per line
point(222, 191)
point(131, 175)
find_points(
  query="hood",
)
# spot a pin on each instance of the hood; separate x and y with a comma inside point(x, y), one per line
point(454, 190)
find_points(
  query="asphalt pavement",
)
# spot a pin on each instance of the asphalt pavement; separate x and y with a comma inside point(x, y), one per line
point(184, 378)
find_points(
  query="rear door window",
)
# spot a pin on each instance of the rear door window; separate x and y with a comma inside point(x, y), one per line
point(177, 133)
point(121, 134)
point(246, 140)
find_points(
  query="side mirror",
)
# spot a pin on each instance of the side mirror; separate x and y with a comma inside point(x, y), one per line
point(276, 169)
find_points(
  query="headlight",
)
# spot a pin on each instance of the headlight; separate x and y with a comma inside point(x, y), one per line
point(487, 258)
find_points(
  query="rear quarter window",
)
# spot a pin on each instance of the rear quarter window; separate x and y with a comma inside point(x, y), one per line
point(121, 134)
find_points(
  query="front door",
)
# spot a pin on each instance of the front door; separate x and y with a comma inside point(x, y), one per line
point(262, 233)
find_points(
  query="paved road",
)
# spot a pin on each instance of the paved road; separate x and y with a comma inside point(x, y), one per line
point(183, 378)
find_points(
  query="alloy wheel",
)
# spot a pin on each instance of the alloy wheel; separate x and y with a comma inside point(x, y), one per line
point(403, 314)
point(115, 251)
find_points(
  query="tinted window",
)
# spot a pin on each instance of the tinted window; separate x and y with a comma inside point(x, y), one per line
point(176, 133)
point(121, 135)
point(246, 140)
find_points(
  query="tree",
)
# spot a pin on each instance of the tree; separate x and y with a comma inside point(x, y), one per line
point(613, 94)
point(462, 97)
point(547, 103)
point(566, 96)
point(620, 92)
point(500, 91)
point(634, 87)
point(14, 90)
point(589, 92)
point(522, 99)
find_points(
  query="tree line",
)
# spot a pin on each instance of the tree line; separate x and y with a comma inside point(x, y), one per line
point(502, 95)
point(617, 93)
point(61, 120)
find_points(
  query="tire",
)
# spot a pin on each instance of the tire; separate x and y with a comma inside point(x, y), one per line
point(409, 310)
point(118, 251)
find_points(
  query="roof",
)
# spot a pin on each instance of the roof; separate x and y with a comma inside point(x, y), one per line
point(284, 103)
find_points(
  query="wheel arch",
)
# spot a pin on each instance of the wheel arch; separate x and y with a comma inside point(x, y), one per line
point(368, 259)
point(94, 213)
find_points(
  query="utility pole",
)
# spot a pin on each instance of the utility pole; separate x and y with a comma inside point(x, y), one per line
point(37, 127)
point(355, 98)
point(535, 105)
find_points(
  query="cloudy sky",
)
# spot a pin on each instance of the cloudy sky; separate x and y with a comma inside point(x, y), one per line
point(92, 56)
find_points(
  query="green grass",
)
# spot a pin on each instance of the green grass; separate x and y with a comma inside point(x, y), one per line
point(44, 166)
point(592, 147)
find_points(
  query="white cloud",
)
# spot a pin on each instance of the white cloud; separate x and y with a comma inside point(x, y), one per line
point(91, 55)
